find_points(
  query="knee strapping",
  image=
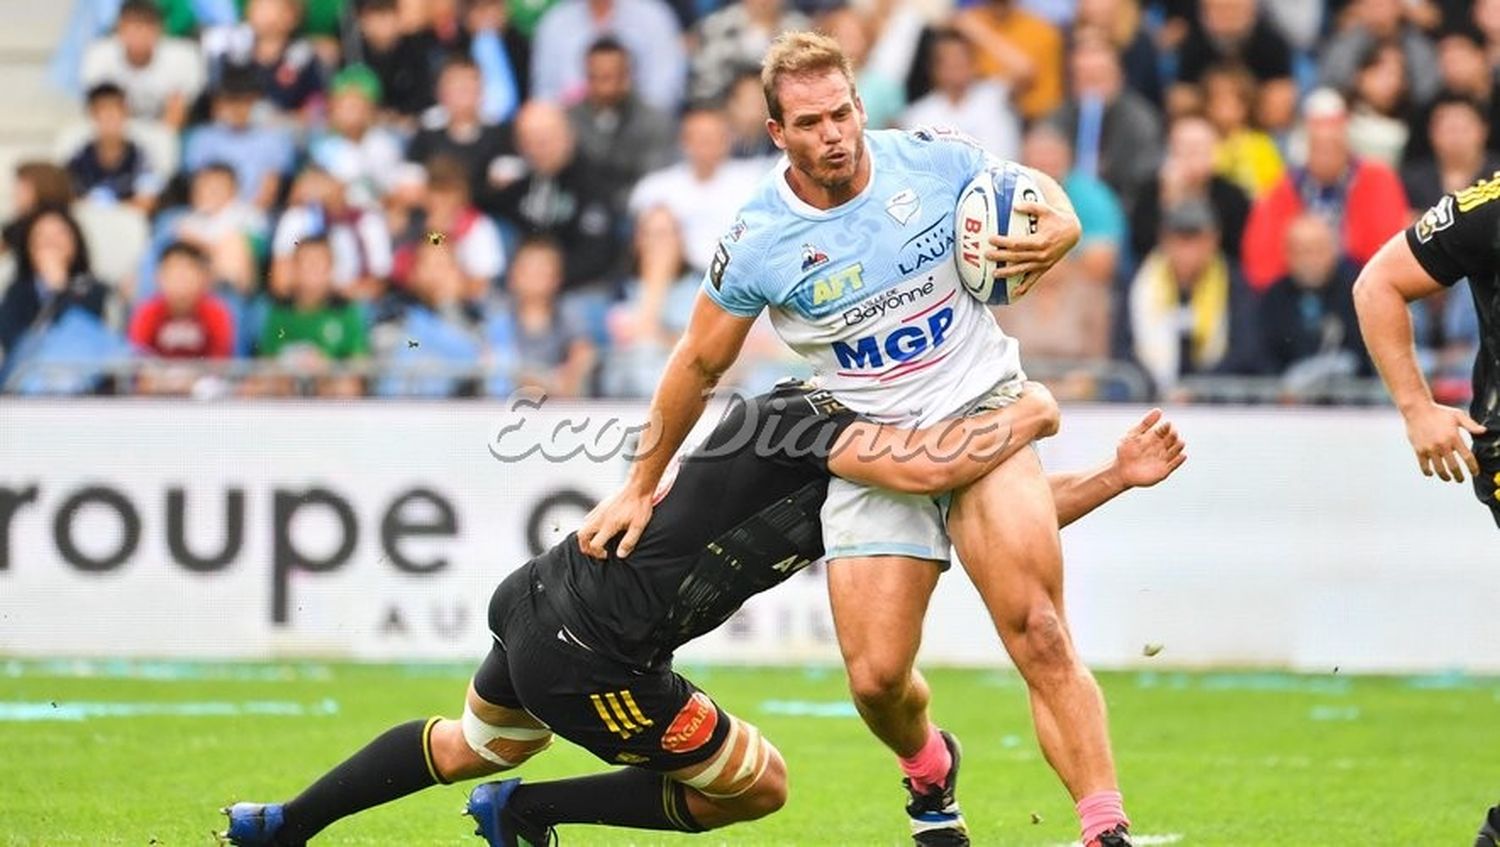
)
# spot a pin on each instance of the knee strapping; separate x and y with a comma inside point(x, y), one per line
point(741, 760)
point(506, 746)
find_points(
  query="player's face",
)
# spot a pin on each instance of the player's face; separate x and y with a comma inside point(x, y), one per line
point(822, 128)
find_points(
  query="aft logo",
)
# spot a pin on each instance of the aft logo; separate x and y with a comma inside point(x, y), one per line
point(812, 258)
point(837, 284)
point(920, 334)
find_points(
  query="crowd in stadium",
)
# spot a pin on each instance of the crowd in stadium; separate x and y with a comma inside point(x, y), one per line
point(460, 197)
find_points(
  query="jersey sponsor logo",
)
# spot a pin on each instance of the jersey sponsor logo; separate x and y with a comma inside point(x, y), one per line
point(812, 257)
point(824, 403)
point(839, 283)
point(937, 133)
point(737, 231)
point(717, 266)
point(791, 564)
point(919, 334)
point(929, 245)
point(878, 305)
point(903, 205)
point(1479, 193)
point(693, 726)
point(1435, 220)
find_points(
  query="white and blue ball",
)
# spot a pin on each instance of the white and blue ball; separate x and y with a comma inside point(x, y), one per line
point(986, 207)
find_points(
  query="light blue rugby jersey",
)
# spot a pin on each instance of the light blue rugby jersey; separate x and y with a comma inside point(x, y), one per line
point(867, 291)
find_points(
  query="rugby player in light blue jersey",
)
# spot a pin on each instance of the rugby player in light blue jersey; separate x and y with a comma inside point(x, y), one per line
point(849, 243)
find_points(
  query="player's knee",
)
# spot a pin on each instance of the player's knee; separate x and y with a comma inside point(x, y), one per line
point(452, 758)
point(877, 684)
point(1043, 639)
point(503, 746)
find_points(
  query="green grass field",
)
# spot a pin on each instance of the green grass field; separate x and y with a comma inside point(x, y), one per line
point(139, 753)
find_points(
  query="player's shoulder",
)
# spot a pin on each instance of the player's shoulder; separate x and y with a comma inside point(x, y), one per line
point(755, 228)
point(1470, 214)
point(939, 150)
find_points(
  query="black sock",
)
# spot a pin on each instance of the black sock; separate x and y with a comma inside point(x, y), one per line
point(395, 764)
point(629, 797)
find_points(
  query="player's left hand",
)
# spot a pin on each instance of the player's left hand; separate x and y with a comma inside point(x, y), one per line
point(1149, 452)
point(1033, 254)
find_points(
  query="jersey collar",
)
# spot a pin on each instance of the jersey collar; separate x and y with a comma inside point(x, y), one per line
point(804, 209)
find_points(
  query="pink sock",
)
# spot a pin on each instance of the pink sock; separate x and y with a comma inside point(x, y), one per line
point(929, 766)
point(1100, 812)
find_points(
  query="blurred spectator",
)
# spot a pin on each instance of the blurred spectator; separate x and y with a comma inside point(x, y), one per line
point(1189, 311)
point(110, 167)
point(1116, 133)
point(1373, 22)
point(1187, 173)
point(401, 60)
point(1458, 130)
point(1307, 317)
point(183, 320)
point(1487, 18)
point(360, 242)
point(448, 216)
point(37, 185)
point(481, 30)
point(363, 155)
point(1302, 22)
point(261, 156)
point(961, 101)
point(1019, 48)
point(52, 277)
point(647, 28)
point(551, 352)
point(1122, 19)
point(455, 130)
point(311, 325)
point(286, 68)
point(705, 190)
point(736, 37)
point(439, 328)
point(1231, 31)
point(1099, 213)
point(745, 107)
point(618, 133)
point(658, 302)
point(1246, 156)
point(1465, 72)
point(881, 67)
point(161, 76)
point(1379, 107)
point(1065, 319)
point(560, 197)
point(1362, 196)
point(225, 228)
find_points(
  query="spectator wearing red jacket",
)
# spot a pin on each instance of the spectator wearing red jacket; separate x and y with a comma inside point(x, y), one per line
point(183, 321)
point(1363, 198)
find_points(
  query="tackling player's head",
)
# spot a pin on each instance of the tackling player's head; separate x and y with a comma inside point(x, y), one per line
point(815, 113)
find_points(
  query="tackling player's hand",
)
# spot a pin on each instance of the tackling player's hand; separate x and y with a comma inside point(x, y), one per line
point(1149, 452)
point(625, 512)
point(1056, 233)
point(1435, 433)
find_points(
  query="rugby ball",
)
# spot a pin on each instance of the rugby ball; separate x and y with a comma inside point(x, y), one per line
point(986, 208)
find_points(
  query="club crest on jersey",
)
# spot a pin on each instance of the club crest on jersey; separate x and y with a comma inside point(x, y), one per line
point(837, 284)
point(903, 205)
point(1435, 219)
point(812, 257)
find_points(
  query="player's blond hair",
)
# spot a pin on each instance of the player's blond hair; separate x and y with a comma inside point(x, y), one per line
point(797, 54)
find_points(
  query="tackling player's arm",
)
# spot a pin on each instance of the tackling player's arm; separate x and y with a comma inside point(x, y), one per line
point(1394, 278)
point(1146, 455)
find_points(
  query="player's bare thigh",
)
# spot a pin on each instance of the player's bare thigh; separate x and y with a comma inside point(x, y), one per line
point(744, 779)
point(878, 605)
point(510, 737)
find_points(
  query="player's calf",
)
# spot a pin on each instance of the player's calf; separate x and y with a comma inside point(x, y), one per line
point(743, 781)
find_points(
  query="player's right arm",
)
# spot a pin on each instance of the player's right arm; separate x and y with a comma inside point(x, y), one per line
point(1396, 276)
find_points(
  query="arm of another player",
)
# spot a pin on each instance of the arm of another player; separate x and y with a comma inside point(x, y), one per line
point(1391, 280)
point(945, 456)
point(1058, 231)
point(707, 348)
point(1147, 454)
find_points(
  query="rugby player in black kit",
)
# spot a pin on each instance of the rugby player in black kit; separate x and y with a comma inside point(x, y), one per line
point(583, 647)
point(1459, 238)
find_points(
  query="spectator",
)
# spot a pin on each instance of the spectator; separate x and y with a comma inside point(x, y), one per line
point(745, 108)
point(647, 28)
point(1486, 16)
point(736, 37)
point(1189, 311)
point(880, 69)
point(1231, 31)
point(286, 68)
point(1188, 173)
point(959, 100)
point(38, 185)
point(705, 190)
point(1373, 22)
point(52, 277)
point(448, 216)
point(358, 152)
point(1307, 317)
point(1065, 319)
point(1018, 48)
point(1459, 133)
point(1365, 197)
point(551, 351)
point(161, 76)
point(1099, 213)
point(1378, 106)
point(111, 168)
point(658, 301)
point(482, 31)
point(438, 328)
point(183, 320)
point(1117, 134)
point(621, 136)
point(560, 197)
point(1122, 19)
point(455, 130)
point(261, 156)
point(1465, 71)
point(1246, 156)
point(312, 326)
point(360, 243)
point(400, 60)
point(223, 227)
